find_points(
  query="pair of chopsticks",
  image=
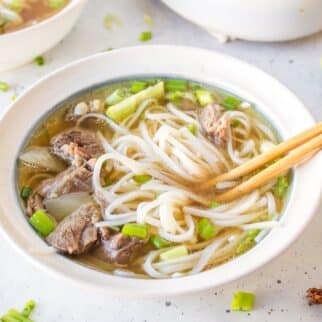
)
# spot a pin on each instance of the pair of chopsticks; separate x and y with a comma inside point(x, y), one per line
point(299, 147)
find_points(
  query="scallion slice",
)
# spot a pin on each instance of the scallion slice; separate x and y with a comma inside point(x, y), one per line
point(42, 222)
point(142, 178)
point(26, 192)
point(243, 301)
point(4, 87)
point(138, 86)
point(204, 97)
point(145, 36)
point(174, 253)
point(176, 85)
point(206, 229)
point(230, 103)
point(135, 230)
point(159, 242)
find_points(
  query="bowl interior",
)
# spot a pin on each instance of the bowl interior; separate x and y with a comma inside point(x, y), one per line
point(279, 105)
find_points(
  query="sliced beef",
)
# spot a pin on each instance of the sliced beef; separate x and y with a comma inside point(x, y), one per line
point(73, 179)
point(119, 249)
point(77, 145)
point(76, 234)
point(215, 124)
point(314, 296)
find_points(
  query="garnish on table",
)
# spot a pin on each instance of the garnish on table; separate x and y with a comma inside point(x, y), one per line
point(13, 315)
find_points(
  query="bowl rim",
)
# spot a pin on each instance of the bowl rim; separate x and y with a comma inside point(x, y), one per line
point(70, 6)
point(193, 283)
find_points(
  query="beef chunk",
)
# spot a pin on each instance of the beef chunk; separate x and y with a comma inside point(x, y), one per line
point(77, 145)
point(214, 123)
point(314, 296)
point(34, 203)
point(71, 180)
point(77, 233)
point(119, 249)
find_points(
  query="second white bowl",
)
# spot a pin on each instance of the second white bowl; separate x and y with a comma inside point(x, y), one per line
point(20, 47)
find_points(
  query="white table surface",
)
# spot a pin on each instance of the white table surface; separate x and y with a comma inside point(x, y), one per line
point(297, 64)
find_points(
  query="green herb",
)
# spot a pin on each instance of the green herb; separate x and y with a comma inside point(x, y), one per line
point(40, 60)
point(56, 4)
point(14, 315)
point(29, 307)
point(192, 128)
point(25, 192)
point(243, 301)
point(128, 106)
point(175, 252)
point(176, 85)
point(214, 204)
point(42, 223)
point(145, 36)
point(159, 242)
point(138, 86)
point(230, 103)
point(206, 229)
point(281, 186)
point(204, 97)
point(4, 87)
point(235, 123)
point(248, 242)
point(142, 178)
point(135, 230)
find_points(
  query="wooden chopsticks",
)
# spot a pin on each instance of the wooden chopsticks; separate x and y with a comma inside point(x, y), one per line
point(300, 146)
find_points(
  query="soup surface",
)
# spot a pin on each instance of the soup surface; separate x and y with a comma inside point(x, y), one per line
point(17, 14)
point(116, 178)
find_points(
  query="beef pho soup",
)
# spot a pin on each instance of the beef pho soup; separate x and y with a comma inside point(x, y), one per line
point(17, 14)
point(112, 178)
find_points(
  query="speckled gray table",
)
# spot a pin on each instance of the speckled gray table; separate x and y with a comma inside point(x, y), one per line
point(279, 286)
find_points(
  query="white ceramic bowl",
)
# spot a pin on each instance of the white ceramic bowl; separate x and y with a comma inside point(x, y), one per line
point(274, 100)
point(22, 46)
point(259, 20)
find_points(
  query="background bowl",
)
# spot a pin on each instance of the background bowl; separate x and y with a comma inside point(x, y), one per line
point(283, 109)
point(259, 20)
point(22, 46)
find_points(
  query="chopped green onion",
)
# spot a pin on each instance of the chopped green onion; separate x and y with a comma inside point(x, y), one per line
point(29, 307)
point(14, 315)
point(4, 87)
point(159, 242)
point(13, 98)
point(16, 5)
point(206, 229)
point(110, 20)
point(142, 178)
point(25, 192)
point(248, 242)
point(138, 86)
point(192, 128)
point(148, 20)
point(243, 301)
point(42, 222)
point(176, 85)
point(40, 60)
point(56, 4)
point(235, 123)
point(135, 230)
point(281, 186)
point(214, 204)
point(145, 36)
point(128, 106)
point(174, 253)
point(230, 103)
point(174, 96)
point(117, 96)
point(204, 97)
